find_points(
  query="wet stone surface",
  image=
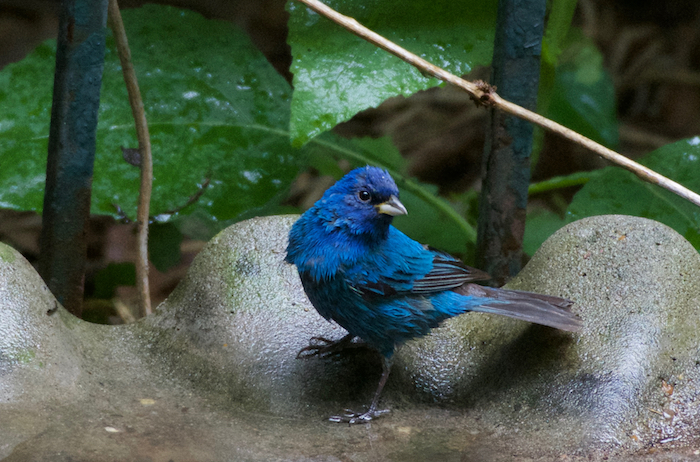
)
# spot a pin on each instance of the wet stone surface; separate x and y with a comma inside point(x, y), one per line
point(212, 376)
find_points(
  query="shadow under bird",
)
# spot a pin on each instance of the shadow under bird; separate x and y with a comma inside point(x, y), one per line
point(385, 288)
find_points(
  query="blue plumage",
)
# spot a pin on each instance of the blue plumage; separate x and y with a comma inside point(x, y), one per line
point(384, 287)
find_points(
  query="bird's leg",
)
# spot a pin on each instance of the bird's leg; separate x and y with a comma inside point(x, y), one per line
point(351, 417)
point(324, 348)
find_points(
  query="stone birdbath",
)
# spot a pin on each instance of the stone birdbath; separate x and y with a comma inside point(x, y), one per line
point(213, 375)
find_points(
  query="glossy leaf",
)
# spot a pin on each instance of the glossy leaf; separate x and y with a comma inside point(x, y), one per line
point(557, 29)
point(25, 110)
point(617, 191)
point(613, 190)
point(217, 112)
point(337, 74)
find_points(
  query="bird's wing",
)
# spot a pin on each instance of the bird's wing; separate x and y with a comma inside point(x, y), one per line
point(403, 266)
point(447, 273)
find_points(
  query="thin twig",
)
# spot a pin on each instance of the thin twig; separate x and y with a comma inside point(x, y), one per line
point(132, 86)
point(202, 188)
point(123, 311)
point(485, 95)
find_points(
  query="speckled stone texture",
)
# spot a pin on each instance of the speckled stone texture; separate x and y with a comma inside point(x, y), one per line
point(212, 375)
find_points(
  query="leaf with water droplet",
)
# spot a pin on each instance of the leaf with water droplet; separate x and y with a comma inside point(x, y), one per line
point(337, 74)
point(215, 107)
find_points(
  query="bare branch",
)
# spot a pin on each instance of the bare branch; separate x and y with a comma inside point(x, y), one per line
point(142, 285)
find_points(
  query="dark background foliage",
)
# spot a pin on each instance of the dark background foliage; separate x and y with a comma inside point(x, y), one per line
point(647, 98)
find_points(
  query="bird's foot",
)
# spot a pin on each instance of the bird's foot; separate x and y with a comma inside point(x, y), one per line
point(350, 417)
point(323, 348)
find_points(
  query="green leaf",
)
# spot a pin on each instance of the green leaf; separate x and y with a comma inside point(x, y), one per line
point(431, 219)
point(216, 108)
point(25, 109)
point(164, 245)
point(559, 17)
point(112, 276)
point(561, 13)
point(539, 226)
point(558, 182)
point(430, 225)
point(337, 74)
point(583, 95)
point(617, 191)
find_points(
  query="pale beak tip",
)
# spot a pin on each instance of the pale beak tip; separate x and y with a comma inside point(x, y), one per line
point(392, 207)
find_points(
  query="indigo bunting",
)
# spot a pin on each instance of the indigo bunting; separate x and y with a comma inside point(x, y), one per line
point(382, 286)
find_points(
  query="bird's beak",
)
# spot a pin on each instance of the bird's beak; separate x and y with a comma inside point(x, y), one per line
point(392, 207)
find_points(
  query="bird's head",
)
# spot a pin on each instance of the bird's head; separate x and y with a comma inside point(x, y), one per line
point(354, 213)
point(363, 202)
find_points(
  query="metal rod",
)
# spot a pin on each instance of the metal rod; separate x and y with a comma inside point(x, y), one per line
point(76, 97)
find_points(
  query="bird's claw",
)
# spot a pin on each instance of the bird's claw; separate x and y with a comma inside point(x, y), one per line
point(322, 347)
point(350, 417)
point(318, 346)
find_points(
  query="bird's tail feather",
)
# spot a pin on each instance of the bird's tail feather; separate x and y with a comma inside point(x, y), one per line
point(540, 309)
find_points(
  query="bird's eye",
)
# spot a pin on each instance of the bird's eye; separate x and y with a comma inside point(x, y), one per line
point(364, 196)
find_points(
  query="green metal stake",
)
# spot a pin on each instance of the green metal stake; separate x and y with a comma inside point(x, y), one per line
point(76, 97)
point(516, 70)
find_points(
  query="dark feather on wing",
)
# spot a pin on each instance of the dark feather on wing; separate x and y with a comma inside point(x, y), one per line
point(447, 273)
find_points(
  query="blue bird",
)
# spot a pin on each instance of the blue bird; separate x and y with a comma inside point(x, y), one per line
point(382, 286)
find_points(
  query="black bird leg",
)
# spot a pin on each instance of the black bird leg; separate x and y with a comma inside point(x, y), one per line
point(351, 417)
